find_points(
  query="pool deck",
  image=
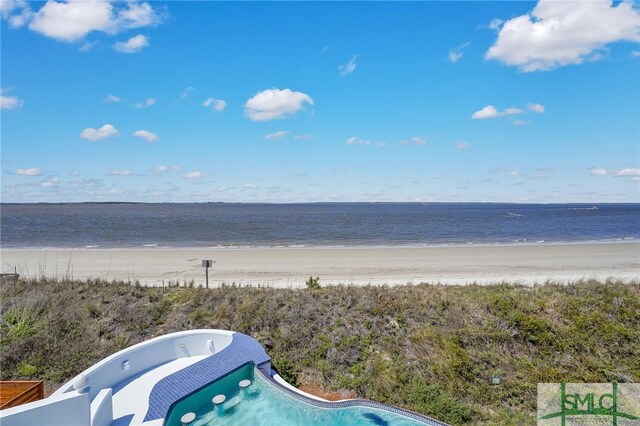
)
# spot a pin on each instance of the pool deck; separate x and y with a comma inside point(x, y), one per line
point(146, 398)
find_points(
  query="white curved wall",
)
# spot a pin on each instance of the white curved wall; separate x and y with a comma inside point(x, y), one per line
point(151, 353)
point(67, 406)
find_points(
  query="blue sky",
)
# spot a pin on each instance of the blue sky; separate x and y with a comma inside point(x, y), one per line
point(303, 102)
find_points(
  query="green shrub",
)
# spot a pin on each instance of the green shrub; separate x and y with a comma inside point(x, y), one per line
point(286, 369)
point(27, 370)
point(313, 283)
point(435, 402)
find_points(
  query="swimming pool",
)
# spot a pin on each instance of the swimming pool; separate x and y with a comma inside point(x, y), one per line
point(265, 403)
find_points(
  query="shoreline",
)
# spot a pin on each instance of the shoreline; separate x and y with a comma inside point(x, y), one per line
point(291, 267)
point(153, 246)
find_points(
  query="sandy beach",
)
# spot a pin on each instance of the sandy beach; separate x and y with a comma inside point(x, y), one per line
point(290, 267)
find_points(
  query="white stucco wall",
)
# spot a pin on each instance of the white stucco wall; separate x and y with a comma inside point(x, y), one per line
point(69, 409)
point(151, 353)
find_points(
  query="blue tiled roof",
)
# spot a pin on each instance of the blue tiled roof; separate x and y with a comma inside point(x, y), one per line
point(173, 388)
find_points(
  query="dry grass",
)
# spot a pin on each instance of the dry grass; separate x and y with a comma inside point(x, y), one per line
point(429, 348)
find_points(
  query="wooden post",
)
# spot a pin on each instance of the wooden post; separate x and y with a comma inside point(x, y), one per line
point(206, 264)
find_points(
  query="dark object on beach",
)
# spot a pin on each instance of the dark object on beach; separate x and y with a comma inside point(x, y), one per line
point(206, 264)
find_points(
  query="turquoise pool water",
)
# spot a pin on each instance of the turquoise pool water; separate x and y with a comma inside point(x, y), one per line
point(264, 404)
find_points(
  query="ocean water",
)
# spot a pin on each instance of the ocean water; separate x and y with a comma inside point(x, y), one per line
point(323, 224)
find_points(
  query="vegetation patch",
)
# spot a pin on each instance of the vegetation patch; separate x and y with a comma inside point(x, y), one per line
point(429, 348)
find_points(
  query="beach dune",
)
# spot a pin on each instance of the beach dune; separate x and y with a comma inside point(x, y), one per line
point(290, 267)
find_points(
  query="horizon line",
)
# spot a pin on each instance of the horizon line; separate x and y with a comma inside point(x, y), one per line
point(321, 202)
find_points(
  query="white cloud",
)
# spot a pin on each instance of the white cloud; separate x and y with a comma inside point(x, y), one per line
point(628, 172)
point(491, 111)
point(349, 67)
point(96, 134)
point(72, 20)
point(513, 173)
point(49, 183)
point(87, 46)
point(275, 103)
point(595, 57)
point(8, 7)
point(495, 24)
point(250, 186)
point(520, 122)
point(487, 112)
point(539, 108)
point(147, 103)
point(9, 102)
point(635, 54)
point(29, 172)
point(277, 135)
point(121, 173)
point(192, 175)
point(456, 53)
point(417, 140)
point(112, 98)
point(512, 111)
point(217, 104)
point(133, 45)
point(74, 173)
point(454, 56)
point(461, 146)
point(160, 169)
point(146, 135)
point(185, 94)
point(17, 12)
point(599, 172)
point(137, 15)
point(559, 33)
point(353, 140)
